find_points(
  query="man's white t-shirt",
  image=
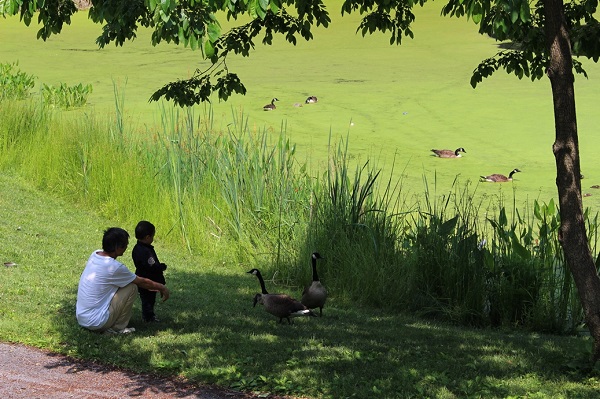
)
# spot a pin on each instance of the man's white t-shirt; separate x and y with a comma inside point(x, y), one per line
point(101, 278)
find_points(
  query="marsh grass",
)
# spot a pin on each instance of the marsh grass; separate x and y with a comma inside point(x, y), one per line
point(14, 83)
point(446, 272)
point(529, 272)
point(355, 223)
point(245, 192)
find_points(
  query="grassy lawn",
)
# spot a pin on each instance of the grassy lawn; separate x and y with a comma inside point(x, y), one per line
point(212, 334)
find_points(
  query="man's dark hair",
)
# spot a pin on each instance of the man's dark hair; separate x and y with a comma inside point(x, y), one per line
point(143, 229)
point(114, 237)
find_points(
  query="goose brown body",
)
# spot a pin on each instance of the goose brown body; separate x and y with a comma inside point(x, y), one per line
point(448, 153)
point(282, 306)
point(315, 295)
point(311, 100)
point(271, 106)
point(279, 305)
point(498, 178)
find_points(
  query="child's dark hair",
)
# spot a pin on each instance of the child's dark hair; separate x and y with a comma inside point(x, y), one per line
point(143, 229)
point(114, 237)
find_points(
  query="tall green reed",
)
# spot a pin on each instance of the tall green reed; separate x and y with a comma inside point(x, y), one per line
point(551, 300)
point(19, 122)
point(435, 257)
point(444, 265)
point(265, 191)
point(354, 224)
point(248, 188)
point(180, 156)
point(175, 132)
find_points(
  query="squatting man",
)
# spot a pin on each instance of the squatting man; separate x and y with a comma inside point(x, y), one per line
point(107, 288)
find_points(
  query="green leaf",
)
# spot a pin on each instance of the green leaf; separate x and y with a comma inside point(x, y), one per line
point(500, 27)
point(493, 223)
point(261, 12)
point(536, 211)
point(502, 219)
point(274, 8)
point(520, 250)
point(252, 8)
point(214, 31)
point(193, 42)
point(477, 13)
point(448, 226)
point(209, 49)
point(551, 207)
point(165, 18)
point(264, 4)
point(11, 8)
point(525, 12)
point(181, 35)
point(514, 15)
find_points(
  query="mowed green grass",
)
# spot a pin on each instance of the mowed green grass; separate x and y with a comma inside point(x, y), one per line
point(392, 102)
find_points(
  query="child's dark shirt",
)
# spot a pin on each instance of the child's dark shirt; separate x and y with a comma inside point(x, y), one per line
point(146, 263)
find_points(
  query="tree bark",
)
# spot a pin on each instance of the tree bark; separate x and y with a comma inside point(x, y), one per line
point(572, 234)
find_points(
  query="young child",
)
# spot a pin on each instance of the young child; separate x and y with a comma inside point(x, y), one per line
point(147, 265)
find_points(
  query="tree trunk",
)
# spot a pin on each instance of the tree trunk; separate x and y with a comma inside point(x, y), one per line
point(572, 234)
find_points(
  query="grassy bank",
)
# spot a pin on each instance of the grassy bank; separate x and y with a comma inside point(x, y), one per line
point(212, 334)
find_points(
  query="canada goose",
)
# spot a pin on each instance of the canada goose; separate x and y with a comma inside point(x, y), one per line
point(282, 306)
point(271, 106)
point(497, 178)
point(449, 153)
point(311, 100)
point(315, 295)
point(279, 305)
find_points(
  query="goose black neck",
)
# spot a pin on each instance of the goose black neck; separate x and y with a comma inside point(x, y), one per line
point(314, 269)
point(262, 283)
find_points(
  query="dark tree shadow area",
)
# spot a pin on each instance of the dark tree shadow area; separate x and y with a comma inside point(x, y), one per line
point(211, 334)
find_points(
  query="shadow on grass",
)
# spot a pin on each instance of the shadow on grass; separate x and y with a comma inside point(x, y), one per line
point(211, 334)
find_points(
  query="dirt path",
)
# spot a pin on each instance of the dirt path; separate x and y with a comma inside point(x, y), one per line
point(32, 373)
